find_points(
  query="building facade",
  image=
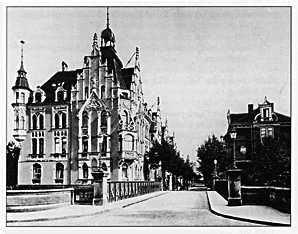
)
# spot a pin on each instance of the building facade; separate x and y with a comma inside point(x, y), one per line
point(81, 120)
point(253, 126)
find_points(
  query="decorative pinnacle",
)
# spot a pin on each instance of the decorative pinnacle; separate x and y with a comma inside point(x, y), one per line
point(108, 20)
point(137, 53)
point(95, 40)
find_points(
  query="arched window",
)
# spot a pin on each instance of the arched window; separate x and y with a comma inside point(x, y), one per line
point(85, 119)
point(57, 145)
point(59, 171)
point(85, 171)
point(56, 120)
point(41, 125)
point(102, 91)
point(34, 146)
point(64, 146)
point(86, 93)
point(125, 118)
point(22, 122)
point(17, 122)
point(63, 120)
point(17, 97)
point(34, 122)
point(104, 167)
point(22, 97)
point(60, 96)
point(38, 97)
point(103, 118)
point(37, 171)
point(94, 165)
point(41, 146)
point(124, 171)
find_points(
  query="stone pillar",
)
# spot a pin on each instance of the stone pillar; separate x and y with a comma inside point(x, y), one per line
point(170, 182)
point(100, 188)
point(234, 189)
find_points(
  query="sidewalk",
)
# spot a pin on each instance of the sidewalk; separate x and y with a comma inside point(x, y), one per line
point(76, 211)
point(251, 213)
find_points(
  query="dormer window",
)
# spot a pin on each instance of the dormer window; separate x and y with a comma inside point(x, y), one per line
point(60, 94)
point(38, 97)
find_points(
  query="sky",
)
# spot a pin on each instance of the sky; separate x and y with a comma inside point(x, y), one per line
point(200, 61)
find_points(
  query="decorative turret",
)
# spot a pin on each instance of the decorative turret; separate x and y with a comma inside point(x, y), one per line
point(95, 51)
point(107, 36)
point(21, 92)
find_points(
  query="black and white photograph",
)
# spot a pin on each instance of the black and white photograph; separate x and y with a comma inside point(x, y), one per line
point(148, 115)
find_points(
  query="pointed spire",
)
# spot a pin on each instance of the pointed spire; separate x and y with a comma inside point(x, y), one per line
point(95, 50)
point(22, 71)
point(108, 20)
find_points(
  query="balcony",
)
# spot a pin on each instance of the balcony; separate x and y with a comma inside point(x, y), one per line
point(35, 156)
point(129, 155)
point(59, 155)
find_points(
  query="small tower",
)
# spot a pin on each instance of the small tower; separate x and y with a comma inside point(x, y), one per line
point(21, 92)
point(107, 36)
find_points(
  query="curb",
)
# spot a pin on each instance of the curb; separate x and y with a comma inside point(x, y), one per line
point(104, 209)
point(244, 219)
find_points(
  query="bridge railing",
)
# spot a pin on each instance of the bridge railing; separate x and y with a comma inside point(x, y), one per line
point(120, 190)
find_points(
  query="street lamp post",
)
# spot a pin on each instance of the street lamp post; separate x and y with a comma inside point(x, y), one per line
point(215, 176)
point(234, 176)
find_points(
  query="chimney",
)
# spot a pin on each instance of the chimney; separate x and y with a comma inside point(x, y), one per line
point(250, 108)
point(64, 66)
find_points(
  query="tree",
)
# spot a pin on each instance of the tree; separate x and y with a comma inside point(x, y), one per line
point(210, 150)
point(167, 156)
point(271, 164)
point(12, 157)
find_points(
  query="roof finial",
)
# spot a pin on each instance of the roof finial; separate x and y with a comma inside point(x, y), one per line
point(22, 51)
point(108, 20)
point(265, 100)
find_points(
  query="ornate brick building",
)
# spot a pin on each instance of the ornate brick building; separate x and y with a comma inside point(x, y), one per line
point(83, 119)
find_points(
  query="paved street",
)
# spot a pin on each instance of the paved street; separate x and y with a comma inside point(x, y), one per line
point(177, 208)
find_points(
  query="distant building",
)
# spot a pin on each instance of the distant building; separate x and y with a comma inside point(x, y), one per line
point(254, 125)
point(83, 119)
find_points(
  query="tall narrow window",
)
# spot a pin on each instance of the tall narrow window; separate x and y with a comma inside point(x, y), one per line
point(63, 120)
point(124, 171)
point(17, 97)
point(56, 120)
point(41, 146)
point(57, 145)
point(85, 171)
point(34, 122)
point(86, 93)
point(41, 122)
point(22, 97)
point(103, 118)
point(22, 122)
point(94, 165)
point(102, 91)
point(85, 146)
point(64, 144)
point(125, 118)
point(17, 122)
point(34, 146)
point(59, 171)
point(85, 119)
point(36, 173)
point(104, 144)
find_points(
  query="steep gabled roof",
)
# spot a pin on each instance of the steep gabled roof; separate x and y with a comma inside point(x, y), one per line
point(127, 76)
point(67, 78)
